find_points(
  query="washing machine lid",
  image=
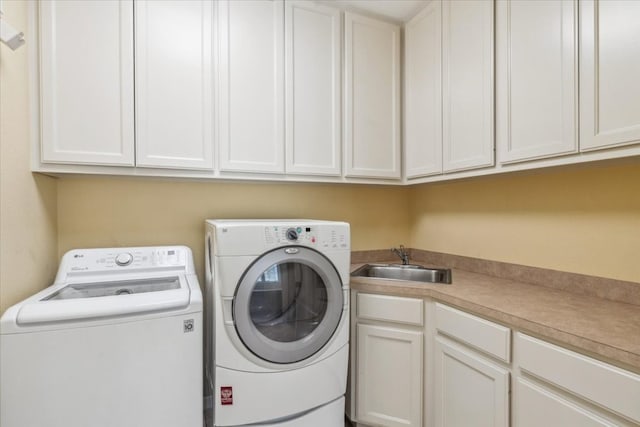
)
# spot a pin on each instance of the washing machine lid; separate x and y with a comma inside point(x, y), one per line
point(111, 288)
point(288, 304)
point(107, 298)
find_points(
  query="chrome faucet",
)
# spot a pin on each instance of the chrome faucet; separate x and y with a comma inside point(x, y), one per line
point(402, 253)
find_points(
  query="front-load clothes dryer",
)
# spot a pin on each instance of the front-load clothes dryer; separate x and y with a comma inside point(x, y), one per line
point(277, 322)
point(115, 341)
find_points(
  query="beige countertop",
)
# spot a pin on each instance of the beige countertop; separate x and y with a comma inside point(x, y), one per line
point(605, 329)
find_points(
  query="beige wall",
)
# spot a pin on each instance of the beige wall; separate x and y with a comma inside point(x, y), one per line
point(94, 212)
point(28, 242)
point(583, 220)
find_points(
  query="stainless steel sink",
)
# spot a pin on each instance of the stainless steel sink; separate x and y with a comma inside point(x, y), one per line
point(415, 273)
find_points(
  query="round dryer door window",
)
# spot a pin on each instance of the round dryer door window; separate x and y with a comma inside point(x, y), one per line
point(288, 304)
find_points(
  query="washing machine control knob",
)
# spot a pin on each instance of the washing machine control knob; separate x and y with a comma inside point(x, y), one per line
point(292, 234)
point(124, 258)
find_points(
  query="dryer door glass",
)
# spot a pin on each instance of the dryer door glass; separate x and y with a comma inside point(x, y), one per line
point(288, 301)
point(288, 304)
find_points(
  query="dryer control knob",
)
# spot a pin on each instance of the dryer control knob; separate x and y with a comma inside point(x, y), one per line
point(292, 234)
point(124, 258)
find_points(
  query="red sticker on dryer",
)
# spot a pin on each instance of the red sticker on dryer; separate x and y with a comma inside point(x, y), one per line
point(226, 395)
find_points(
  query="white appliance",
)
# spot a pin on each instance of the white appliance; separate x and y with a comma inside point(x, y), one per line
point(115, 341)
point(277, 322)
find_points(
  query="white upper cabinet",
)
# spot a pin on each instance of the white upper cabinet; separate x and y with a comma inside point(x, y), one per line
point(86, 82)
point(313, 37)
point(609, 73)
point(304, 91)
point(174, 79)
point(537, 78)
point(423, 92)
point(467, 84)
point(372, 98)
point(251, 85)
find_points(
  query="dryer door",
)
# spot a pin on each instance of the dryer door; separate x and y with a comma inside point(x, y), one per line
point(288, 304)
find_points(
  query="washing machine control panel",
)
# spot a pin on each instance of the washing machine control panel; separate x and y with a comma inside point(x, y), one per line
point(124, 258)
point(98, 260)
point(321, 237)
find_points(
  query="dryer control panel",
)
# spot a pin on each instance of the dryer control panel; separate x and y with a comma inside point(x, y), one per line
point(124, 259)
point(307, 235)
point(255, 237)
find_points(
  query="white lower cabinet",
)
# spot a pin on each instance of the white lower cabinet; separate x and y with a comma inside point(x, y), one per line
point(571, 389)
point(387, 376)
point(471, 386)
point(536, 406)
point(470, 390)
point(409, 354)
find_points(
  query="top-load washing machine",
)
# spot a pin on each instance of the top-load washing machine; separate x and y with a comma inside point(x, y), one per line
point(116, 341)
point(277, 322)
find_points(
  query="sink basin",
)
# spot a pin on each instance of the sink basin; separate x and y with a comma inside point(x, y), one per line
point(415, 273)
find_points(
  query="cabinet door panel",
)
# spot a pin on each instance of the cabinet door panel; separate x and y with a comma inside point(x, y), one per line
point(470, 391)
point(609, 70)
point(251, 86)
point(389, 383)
point(423, 93)
point(467, 81)
point(86, 82)
point(618, 390)
point(536, 406)
point(372, 98)
point(313, 53)
point(537, 78)
point(174, 117)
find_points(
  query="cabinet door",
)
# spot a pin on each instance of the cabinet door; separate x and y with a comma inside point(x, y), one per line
point(537, 80)
point(313, 51)
point(251, 85)
point(467, 83)
point(609, 70)
point(423, 93)
point(389, 381)
point(535, 406)
point(469, 390)
point(174, 96)
point(86, 82)
point(372, 97)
